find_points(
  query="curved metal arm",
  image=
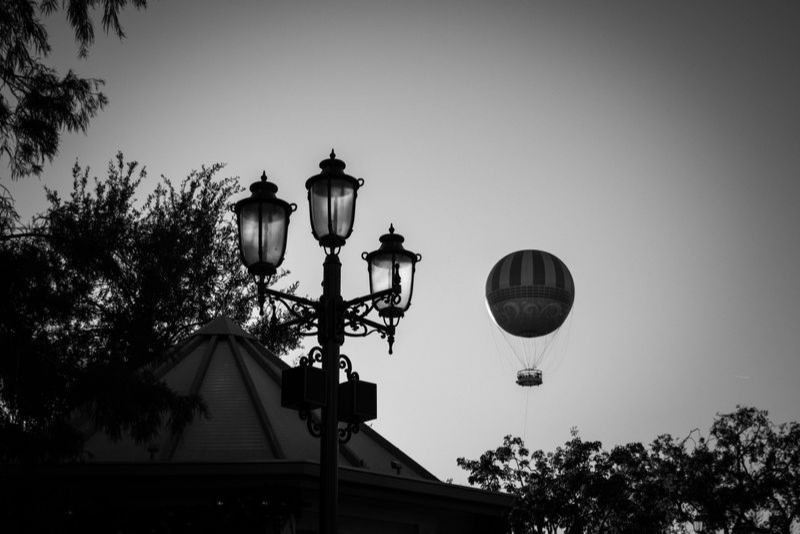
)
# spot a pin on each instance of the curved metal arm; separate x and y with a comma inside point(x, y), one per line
point(360, 326)
point(305, 312)
point(306, 326)
point(281, 296)
point(372, 297)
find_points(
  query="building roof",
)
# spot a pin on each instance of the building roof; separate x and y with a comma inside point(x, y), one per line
point(240, 382)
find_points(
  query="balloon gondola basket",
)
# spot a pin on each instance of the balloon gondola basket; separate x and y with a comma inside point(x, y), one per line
point(529, 377)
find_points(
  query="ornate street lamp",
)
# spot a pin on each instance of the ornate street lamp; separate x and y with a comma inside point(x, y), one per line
point(389, 266)
point(263, 220)
point(332, 203)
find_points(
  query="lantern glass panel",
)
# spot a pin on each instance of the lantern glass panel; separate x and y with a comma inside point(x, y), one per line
point(381, 278)
point(262, 227)
point(338, 221)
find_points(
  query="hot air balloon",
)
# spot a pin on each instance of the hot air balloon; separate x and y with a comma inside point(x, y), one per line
point(529, 294)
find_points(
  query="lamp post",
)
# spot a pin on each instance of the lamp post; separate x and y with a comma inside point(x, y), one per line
point(263, 222)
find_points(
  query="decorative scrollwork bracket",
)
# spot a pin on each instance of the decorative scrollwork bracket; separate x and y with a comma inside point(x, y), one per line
point(347, 432)
point(314, 356)
point(347, 366)
point(314, 428)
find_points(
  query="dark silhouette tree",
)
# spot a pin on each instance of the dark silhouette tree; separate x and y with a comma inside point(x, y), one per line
point(745, 475)
point(578, 488)
point(95, 292)
point(37, 105)
point(783, 477)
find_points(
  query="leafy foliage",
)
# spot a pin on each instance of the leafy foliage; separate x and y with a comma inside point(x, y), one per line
point(746, 474)
point(37, 104)
point(96, 292)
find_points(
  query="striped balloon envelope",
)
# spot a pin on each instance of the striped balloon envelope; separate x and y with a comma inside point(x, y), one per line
point(529, 294)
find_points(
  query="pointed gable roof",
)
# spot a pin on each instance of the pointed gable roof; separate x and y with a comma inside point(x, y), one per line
point(240, 381)
point(223, 326)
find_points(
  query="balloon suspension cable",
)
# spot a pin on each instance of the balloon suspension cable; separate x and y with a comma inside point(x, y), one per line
point(525, 423)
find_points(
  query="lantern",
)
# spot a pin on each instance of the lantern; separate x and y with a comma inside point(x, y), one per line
point(388, 265)
point(332, 203)
point(263, 221)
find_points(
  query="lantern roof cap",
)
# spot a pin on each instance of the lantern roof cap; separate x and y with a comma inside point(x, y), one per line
point(264, 190)
point(332, 165)
point(392, 242)
point(263, 187)
point(392, 237)
point(334, 168)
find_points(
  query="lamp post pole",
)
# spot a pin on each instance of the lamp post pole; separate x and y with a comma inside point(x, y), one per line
point(263, 221)
point(331, 340)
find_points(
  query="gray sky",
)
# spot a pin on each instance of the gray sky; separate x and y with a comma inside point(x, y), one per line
point(653, 146)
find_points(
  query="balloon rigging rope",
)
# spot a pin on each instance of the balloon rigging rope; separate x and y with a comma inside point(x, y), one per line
point(527, 404)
